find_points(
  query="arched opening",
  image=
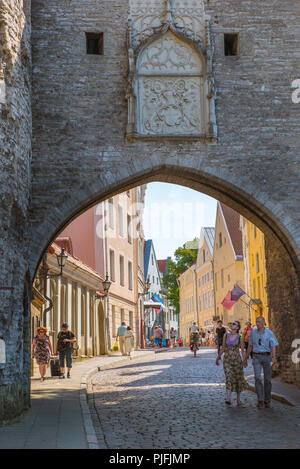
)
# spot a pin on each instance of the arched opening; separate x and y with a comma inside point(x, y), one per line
point(280, 257)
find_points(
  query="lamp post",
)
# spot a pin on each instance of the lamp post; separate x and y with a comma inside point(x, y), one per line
point(147, 286)
point(106, 286)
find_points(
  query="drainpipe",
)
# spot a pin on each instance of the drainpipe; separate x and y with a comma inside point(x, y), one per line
point(45, 292)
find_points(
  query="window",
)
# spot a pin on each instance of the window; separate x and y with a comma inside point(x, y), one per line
point(130, 275)
point(231, 44)
point(153, 279)
point(199, 303)
point(152, 261)
point(129, 229)
point(120, 214)
point(222, 278)
point(216, 285)
point(112, 264)
point(94, 43)
point(228, 278)
point(122, 271)
point(203, 256)
point(220, 240)
point(255, 233)
point(257, 263)
point(128, 194)
point(111, 213)
point(122, 315)
point(207, 277)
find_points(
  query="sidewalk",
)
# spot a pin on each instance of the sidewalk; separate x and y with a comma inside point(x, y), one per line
point(59, 417)
point(283, 392)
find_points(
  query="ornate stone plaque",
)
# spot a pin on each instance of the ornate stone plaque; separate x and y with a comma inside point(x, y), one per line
point(170, 87)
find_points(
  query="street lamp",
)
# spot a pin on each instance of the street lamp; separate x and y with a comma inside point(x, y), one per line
point(61, 259)
point(106, 286)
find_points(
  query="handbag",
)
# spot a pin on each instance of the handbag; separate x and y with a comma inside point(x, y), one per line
point(116, 347)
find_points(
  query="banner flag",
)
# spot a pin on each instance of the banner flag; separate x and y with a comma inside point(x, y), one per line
point(228, 302)
point(236, 293)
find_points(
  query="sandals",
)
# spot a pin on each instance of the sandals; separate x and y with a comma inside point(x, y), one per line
point(228, 402)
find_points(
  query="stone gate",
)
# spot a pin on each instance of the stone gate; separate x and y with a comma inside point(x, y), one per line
point(97, 96)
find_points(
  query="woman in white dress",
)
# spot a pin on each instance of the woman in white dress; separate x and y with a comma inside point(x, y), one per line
point(129, 341)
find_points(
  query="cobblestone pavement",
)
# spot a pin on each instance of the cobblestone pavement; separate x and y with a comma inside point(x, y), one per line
point(177, 401)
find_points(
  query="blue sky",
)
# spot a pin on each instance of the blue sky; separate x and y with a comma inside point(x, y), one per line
point(175, 214)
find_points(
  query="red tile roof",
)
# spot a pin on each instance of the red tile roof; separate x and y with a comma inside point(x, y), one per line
point(232, 219)
point(55, 249)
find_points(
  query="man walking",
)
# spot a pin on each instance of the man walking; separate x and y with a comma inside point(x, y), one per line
point(121, 336)
point(263, 344)
point(64, 346)
point(220, 331)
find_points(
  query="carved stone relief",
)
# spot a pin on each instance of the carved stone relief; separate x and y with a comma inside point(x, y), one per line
point(170, 88)
point(170, 106)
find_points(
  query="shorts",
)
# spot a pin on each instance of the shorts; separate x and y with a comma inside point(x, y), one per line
point(68, 355)
point(157, 341)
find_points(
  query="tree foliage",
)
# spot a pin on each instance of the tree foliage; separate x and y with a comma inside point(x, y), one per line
point(185, 256)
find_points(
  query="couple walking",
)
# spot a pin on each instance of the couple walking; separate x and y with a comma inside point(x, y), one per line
point(262, 343)
point(42, 350)
point(126, 339)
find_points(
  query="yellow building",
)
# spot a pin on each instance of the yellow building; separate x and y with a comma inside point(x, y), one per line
point(204, 278)
point(188, 302)
point(255, 269)
point(228, 264)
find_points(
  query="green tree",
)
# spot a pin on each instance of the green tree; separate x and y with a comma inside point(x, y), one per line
point(185, 256)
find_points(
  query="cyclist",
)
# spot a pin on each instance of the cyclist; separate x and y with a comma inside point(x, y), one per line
point(194, 336)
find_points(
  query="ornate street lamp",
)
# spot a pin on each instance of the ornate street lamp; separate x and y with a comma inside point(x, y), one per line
point(61, 259)
point(106, 284)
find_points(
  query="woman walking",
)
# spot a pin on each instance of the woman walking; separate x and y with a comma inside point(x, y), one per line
point(129, 341)
point(233, 363)
point(42, 350)
point(173, 337)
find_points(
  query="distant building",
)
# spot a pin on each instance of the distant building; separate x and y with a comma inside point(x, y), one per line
point(154, 303)
point(205, 278)
point(255, 271)
point(228, 263)
point(188, 301)
point(172, 319)
point(109, 238)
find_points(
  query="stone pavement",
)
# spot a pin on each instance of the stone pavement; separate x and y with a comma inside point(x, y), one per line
point(57, 418)
point(173, 400)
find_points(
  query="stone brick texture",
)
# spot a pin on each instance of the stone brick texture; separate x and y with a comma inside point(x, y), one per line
point(80, 154)
point(15, 182)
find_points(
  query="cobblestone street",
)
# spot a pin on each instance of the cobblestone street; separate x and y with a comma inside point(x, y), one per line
point(176, 401)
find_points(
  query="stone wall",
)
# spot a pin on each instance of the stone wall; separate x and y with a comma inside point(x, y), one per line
point(15, 154)
point(80, 153)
